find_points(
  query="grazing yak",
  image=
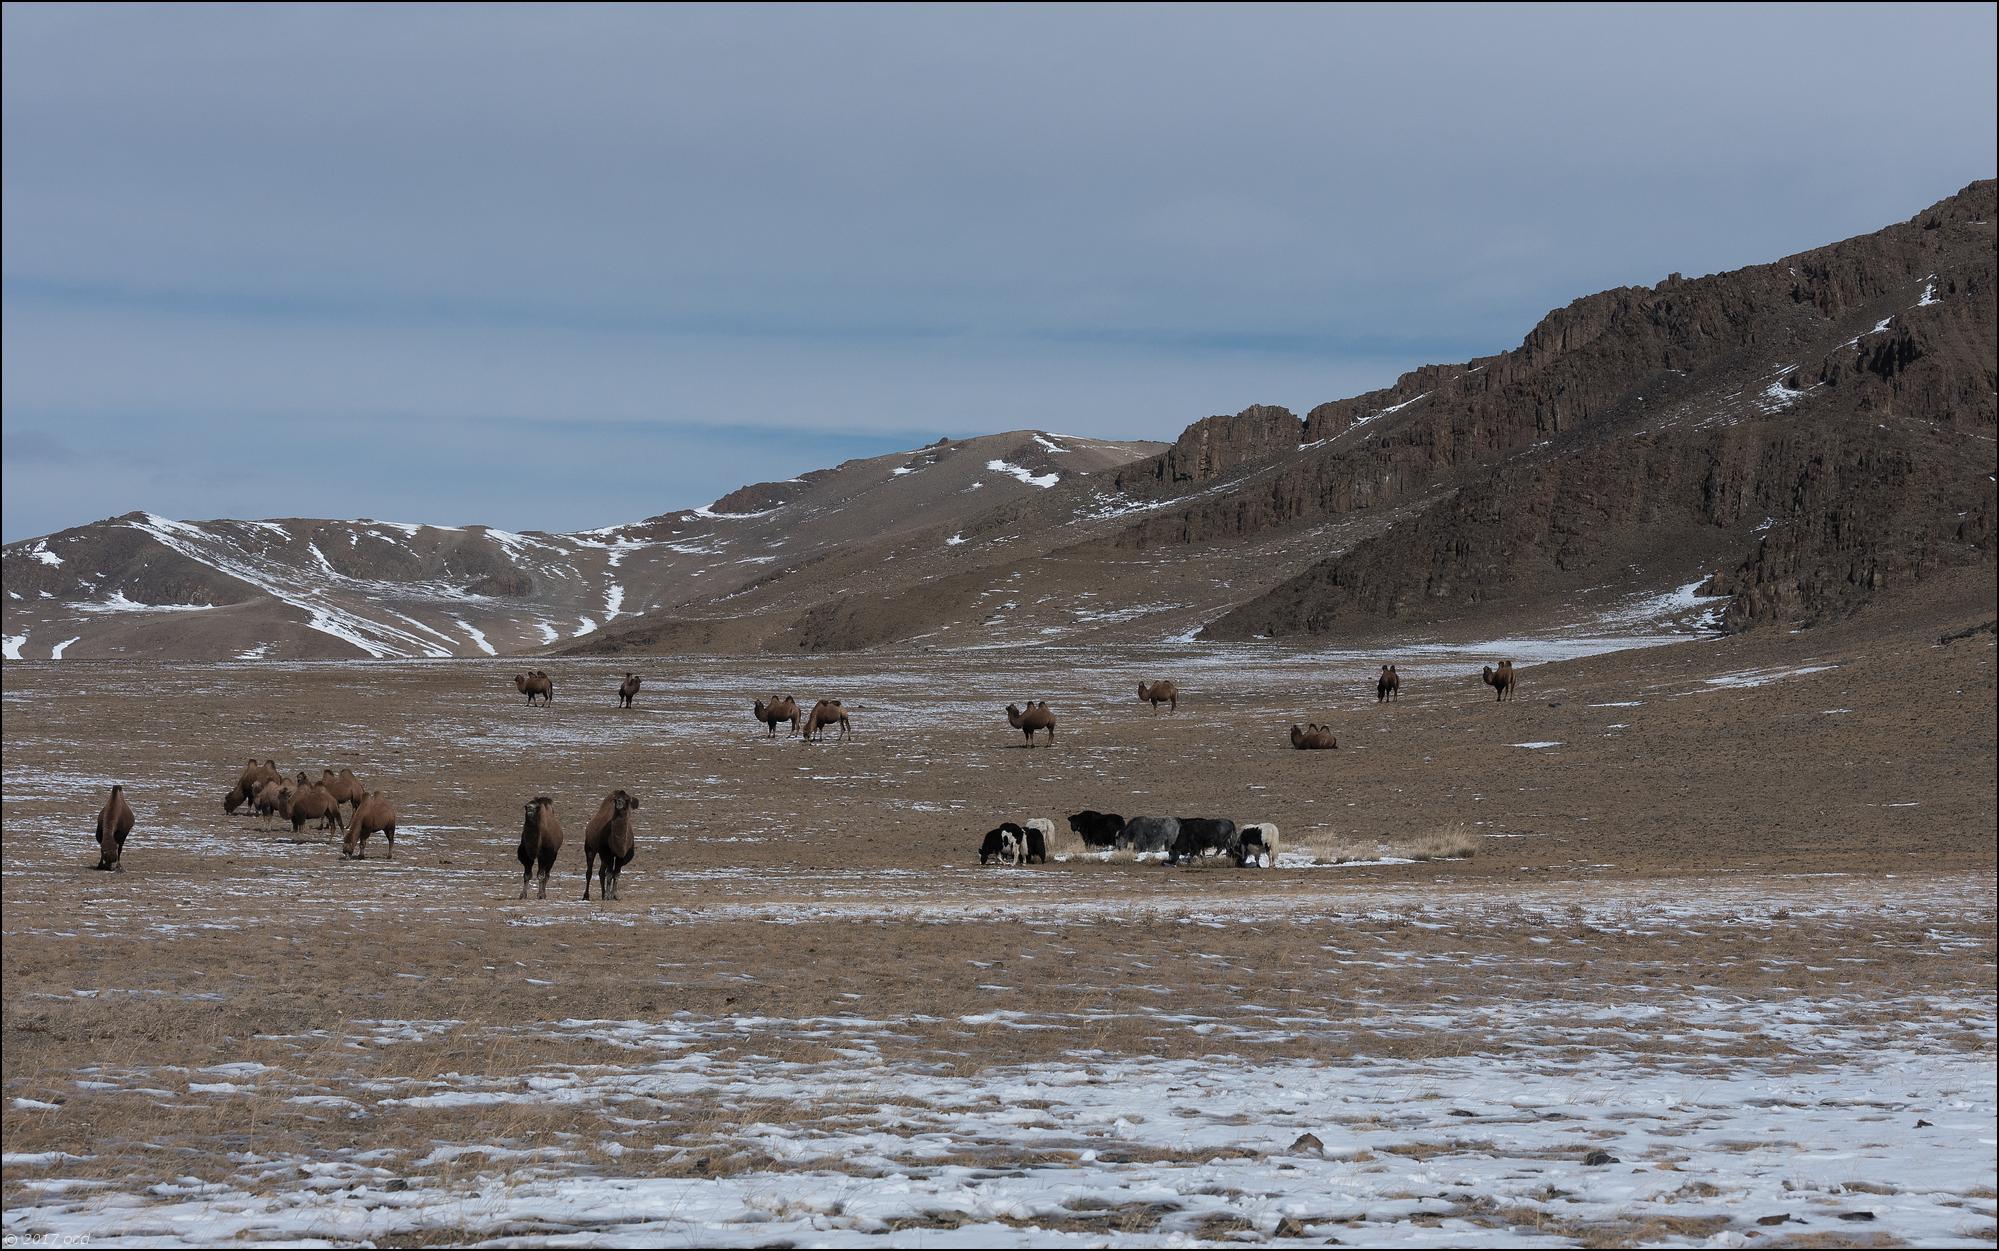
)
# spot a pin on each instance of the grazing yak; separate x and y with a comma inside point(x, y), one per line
point(313, 802)
point(535, 682)
point(1147, 835)
point(376, 813)
point(628, 690)
point(826, 712)
point(114, 822)
point(1256, 844)
point(1006, 843)
point(1388, 685)
point(1035, 717)
point(1200, 835)
point(1098, 830)
point(774, 710)
point(609, 843)
point(1160, 693)
point(541, 838)
point(1500, 680)
point(1314, 737)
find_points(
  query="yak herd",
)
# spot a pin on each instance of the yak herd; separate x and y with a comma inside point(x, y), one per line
point(609, 839)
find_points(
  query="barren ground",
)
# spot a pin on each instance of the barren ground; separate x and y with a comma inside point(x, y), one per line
point(1731, 922)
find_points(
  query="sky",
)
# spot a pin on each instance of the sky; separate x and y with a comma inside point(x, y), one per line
point(562, 267)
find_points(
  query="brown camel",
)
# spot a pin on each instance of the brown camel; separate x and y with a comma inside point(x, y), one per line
point(775, 710)
point(313, 802)
point(273, 797)
point(1500, 680)
point(344, 786)
point(1160, 693)
point(1388, 685)
point(1314, 737)
point(1033, 717)
point(375, 813)
point(609, 843)
point(826, 712)
point(628, 690)
point(251, 781)
point(114, 822)
point(534, 682)
point(541, 838)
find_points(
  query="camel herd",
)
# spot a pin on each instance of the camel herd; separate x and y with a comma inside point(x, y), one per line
point(609, 838)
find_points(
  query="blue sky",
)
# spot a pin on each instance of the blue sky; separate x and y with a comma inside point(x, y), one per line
point(561, 267)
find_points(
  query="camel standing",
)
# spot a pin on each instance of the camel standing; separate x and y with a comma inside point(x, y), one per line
point(1389, 685)
point(609, 843)
point(1033, 717)
point(114, 822)
point(775, 710)
point(628, 690)
point(1500, 680)
point(535, 682)
point(541, 839)
point(1158, 693)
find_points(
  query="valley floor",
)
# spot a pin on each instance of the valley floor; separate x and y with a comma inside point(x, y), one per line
point(1729, 922)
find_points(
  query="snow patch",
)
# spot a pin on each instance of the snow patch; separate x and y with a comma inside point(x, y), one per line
point(118, 603)
point(473, 633)
point(1028, 476)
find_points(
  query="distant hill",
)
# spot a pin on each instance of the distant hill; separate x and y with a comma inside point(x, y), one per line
point(1778, 444)
point(286, 588)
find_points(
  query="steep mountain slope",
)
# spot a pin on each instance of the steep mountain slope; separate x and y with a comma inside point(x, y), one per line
point(1816, 430)
point(304, 589)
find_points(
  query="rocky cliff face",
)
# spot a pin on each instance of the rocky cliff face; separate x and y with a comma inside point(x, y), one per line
point(1821, 425)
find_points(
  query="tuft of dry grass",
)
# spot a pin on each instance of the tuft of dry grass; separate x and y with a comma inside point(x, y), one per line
point(1455, 841)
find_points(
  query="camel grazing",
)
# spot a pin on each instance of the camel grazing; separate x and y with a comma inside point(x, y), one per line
point(1034, 717)
point(1500, 680)
point(273, 797)
point(775, 710)
point(1160, 693)
point(628, 690)
point(1314, 737)
point(343, 786)
point(824, 713)
point(541, 838)
point(1388, 685)
point(534, 682)
point(313, 802)
point(609, 843)
point(251, 781)
point(376, 813)
point(114, 822)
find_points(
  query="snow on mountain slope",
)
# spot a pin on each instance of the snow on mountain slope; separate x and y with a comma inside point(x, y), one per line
point(290, 588)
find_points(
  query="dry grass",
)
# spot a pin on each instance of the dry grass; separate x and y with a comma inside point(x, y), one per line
point(1455, 841)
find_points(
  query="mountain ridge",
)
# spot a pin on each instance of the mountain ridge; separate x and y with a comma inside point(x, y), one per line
point(1796, 437)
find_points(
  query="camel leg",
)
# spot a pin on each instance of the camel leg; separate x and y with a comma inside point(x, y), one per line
point(589, 867)
point(527, 871)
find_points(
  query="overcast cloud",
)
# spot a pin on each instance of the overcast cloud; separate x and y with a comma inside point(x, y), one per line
point(556, 268)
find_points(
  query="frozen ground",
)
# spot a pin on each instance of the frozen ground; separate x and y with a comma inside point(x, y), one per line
point(1739, 946)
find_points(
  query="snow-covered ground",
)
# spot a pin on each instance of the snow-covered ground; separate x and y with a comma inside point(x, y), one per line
point(1541, 1146)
